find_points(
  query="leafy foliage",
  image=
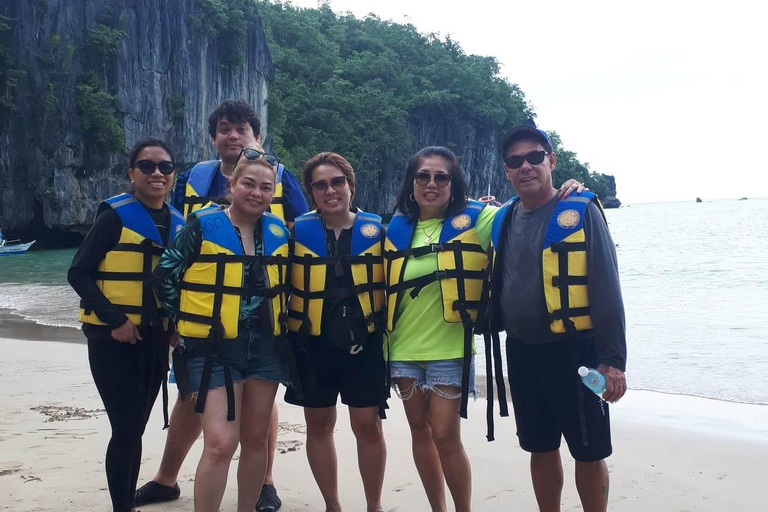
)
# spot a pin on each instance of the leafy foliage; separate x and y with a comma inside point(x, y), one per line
point(569, 166)
point(102, 43)
point(227, 21)
point(97, 116)
point(355, 85)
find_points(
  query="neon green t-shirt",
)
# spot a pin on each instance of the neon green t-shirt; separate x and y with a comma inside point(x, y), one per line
point(421, 333)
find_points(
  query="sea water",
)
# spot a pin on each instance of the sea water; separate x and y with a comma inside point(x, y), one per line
point(694, 278)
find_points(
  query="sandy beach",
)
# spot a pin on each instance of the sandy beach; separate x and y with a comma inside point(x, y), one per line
point(671, 453)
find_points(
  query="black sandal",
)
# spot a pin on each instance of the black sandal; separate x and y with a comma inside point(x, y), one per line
point(268, 501)
point(153, 492)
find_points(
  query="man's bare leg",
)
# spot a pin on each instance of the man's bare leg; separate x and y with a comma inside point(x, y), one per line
point(547, 476)
point(592, 484)
point(184, 429)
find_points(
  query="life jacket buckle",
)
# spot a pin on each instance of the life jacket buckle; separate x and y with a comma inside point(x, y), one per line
point(441, 274)
point(556, 281)
point(436, 247)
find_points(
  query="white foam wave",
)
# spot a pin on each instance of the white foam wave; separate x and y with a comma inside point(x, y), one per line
point(55, 306)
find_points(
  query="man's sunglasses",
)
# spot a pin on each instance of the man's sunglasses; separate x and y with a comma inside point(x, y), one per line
point(534, 158)
point(148, 167)
point(441, 179)
point(255, 154)
point(322, 185)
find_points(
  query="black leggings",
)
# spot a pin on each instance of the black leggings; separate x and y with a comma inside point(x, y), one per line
point(128, 378)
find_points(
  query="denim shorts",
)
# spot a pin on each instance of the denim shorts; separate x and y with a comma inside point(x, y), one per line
point(428, 375)
point(254, 354)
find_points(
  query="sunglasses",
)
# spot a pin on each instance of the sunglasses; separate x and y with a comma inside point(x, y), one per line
point(148, 167)
point(322, 185)
point(534, 158)
point(441, 179)
point(255, 154)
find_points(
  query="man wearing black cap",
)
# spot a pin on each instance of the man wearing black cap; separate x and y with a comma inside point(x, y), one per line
point(558, 316)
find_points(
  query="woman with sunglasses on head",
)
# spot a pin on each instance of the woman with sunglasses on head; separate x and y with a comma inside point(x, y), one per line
point(335, 326)
point(127, 336)
point(223, 280)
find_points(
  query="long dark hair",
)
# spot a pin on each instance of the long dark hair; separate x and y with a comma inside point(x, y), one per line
point(457, 203)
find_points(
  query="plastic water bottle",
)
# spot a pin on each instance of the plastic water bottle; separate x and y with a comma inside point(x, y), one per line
point(593, 379)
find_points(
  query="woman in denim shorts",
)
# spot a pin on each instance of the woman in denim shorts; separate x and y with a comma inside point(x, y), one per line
point(232, 361)
point(429, 356)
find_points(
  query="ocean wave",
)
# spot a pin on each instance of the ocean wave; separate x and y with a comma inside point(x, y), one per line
point(55, 306)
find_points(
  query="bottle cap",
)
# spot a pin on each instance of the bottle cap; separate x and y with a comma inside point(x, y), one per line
point(583, 371)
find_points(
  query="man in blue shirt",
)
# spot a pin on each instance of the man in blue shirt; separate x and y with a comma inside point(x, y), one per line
point(233, 126)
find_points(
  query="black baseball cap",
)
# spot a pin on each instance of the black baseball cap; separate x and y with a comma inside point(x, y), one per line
point(527, 128)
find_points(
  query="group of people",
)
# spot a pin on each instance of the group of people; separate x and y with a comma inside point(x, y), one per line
point(252, 291)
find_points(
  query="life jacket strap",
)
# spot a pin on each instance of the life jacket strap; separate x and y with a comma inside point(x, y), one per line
point(562, 282)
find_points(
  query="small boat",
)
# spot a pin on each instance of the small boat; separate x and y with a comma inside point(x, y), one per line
point(12, 246)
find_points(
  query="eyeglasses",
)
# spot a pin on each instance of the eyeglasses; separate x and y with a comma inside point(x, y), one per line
point(441, 179)
point(255, 154)
point(322, 185)
point(534, 158)
point(148, 167)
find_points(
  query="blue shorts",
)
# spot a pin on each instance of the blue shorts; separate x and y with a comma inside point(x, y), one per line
point(254, 354)
point(428, 375)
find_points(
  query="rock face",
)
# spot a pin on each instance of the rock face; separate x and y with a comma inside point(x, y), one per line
point(611, 202)
point(166, 79)
point(481, 163)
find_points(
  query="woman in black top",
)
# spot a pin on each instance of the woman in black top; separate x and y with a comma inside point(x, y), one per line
point(127, 341)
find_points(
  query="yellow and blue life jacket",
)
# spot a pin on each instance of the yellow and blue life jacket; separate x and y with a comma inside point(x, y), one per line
point(461, 271)
point(199, 185)
point(461, 265)
point(123, 275)
point(308, 272)
point(564, 261)
point(211, 288)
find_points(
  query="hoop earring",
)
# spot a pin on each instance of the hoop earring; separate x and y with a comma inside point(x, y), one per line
point(451, 200)
point(412, 198)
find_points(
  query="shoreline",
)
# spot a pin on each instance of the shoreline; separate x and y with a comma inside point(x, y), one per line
point(670, 453)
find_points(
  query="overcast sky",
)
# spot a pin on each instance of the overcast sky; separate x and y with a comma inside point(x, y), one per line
point(668, 96)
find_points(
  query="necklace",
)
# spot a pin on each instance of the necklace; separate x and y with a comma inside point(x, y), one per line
point(428, 236)
point(237, 229)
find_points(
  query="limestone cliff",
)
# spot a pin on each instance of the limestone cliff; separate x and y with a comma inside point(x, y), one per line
point(166, 78)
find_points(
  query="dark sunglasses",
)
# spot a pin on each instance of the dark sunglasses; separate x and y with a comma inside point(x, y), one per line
point(148, 167)
point(322, 185)
point(534, 158)
point(441, 179)
point(255, 154)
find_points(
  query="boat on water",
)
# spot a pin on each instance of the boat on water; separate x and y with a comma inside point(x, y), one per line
point(8, 247)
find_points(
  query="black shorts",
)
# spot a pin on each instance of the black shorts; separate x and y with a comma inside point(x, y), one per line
point(327, 371)
point(545, 388)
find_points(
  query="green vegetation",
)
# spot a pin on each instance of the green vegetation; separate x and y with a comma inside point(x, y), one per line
point(102, 43)
point(94, 106)
point(355, 85)
point(227, 21)
point(568, 166)
point(177, 107)
point(10, 73)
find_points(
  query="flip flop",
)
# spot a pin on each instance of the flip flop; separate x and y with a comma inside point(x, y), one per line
point(153, 492)
point(268, 501)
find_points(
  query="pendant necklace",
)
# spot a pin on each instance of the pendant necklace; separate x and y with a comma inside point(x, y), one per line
point(428, 236)
point(237, 230)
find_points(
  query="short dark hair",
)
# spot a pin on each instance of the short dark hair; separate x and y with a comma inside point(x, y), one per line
point(147, 143)
point(332, 159)
point(236, 111)
point(458, 200)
